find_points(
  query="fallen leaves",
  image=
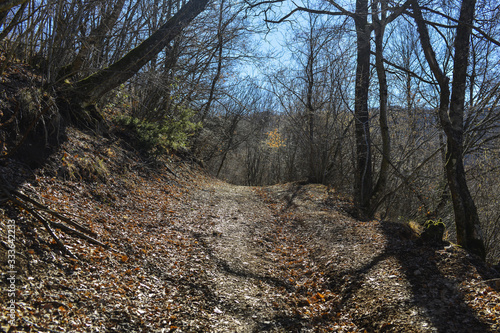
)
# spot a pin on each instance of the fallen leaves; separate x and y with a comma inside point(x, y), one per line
point(305, 265)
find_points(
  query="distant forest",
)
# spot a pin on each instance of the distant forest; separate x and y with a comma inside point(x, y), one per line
point(394, 103)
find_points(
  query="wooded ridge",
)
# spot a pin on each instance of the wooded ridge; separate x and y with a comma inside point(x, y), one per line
point(254, 166)
point(187, 252)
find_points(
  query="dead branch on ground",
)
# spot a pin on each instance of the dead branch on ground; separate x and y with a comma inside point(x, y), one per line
point(36, 209)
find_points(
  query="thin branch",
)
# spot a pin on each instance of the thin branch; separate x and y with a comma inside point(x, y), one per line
point(307, 10)
point(441, 25)
point(343, 10)
point(45, 223)
point(269, 2)
point(481, 32)
point(406, 70)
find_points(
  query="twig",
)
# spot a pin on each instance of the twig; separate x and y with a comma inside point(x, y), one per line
point(54, 213)
point(485, 281)
point(46, 224)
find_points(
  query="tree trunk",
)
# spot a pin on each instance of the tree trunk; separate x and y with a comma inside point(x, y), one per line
point(379, 27)
point(469, 233)
point(363, 171)
point(451, 115)
point(86, 91)
point(313, 176)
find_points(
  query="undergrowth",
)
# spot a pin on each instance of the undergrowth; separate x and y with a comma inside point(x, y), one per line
point(161, 136)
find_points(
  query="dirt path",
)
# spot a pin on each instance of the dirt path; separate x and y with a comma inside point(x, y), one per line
point(200, 255)
point(287, 259)
point(240, 281)
point(270, 248)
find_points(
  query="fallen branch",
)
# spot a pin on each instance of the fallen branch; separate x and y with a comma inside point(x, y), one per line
point(80, 235)
point(45, 223)
point(30, 205)
point(54, 213)
point(486, 281)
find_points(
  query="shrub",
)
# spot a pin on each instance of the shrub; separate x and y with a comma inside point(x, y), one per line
point(161, 136)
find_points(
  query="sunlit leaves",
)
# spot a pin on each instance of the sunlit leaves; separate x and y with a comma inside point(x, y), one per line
point(275, 140)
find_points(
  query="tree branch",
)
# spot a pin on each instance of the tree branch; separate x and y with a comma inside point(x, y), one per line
point(307, 10)
point(413, 74)
point(6, 5)
point(481, 32)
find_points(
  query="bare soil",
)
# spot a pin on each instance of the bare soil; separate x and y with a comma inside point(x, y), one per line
point(194, 254)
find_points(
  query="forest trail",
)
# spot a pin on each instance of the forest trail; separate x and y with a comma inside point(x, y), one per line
point(196, 254)
point(264, 270)
point(289, 259)
point(240, 279)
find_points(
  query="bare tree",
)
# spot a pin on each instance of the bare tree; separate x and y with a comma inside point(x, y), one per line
point(451, 115)
point(86, 91)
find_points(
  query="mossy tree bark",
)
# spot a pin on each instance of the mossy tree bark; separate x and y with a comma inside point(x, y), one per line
point(82, 94)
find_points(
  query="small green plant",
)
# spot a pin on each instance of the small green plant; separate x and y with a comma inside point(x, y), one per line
point(434, 223)
point(433, 231)
point(169, 133)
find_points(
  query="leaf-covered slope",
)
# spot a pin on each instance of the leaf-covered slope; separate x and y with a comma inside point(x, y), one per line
point(189, 253)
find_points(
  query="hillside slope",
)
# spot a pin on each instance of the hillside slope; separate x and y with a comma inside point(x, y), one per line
point(188, 253)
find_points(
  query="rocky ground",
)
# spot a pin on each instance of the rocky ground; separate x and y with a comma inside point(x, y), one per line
point(184, 252)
